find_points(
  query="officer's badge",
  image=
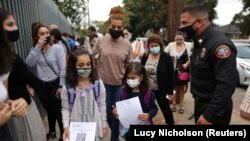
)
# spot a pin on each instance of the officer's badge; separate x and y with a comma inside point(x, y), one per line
point(203, 52)
point(222, 51)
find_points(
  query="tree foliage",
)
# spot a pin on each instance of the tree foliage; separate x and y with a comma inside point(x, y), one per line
point(74, 10)
point(152, 15)
point(146, 14)
point(174, 11)
point(242, 19)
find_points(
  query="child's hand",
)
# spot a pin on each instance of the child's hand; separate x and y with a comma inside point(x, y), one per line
point(66, 134)
point(105, 131)
point(114, 111)
point(143, 117)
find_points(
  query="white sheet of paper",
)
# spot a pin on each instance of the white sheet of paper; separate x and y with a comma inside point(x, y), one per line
point(82, 131)
point(128, 111)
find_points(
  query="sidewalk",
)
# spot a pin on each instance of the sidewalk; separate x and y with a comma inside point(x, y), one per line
point(183, 119)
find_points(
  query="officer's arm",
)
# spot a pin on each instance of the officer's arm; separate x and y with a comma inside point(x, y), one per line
point(224, 66)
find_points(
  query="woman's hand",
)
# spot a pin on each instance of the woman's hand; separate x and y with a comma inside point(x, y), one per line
point(114, 111)
point(185, 66)
point(42, 41)
point(58, 93)
point(105, 131)
point(143, 117)
point(5, 112)
point(66, 134)
point(19, 107)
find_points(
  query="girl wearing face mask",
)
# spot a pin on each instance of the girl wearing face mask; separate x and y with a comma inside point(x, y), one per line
point(136, 84)
point(83, 96)
point(161, 75)
point(50, 63)
point(137, 46)
point(114, 57)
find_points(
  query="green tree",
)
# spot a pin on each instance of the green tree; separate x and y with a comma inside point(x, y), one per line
point(146, 14)
point(74, 10)
point(242, 19)
point(154, 15)
point(101, 26)
point(174, 11)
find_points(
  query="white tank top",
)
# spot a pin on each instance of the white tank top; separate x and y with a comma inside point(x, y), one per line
point(3, 91)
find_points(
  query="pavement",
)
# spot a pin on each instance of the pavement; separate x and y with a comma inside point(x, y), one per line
point(186, 117)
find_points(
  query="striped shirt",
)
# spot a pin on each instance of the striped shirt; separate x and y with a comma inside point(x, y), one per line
point(245, 105)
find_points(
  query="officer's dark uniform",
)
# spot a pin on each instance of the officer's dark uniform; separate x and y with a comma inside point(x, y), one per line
point(213, 76)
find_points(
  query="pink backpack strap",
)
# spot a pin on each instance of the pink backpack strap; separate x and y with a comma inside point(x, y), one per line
point(147, 97)
point(147, 102)
point(123, 95)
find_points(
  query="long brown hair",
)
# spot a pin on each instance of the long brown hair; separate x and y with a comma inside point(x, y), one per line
point(35, 29)
point(71, 75)
point(140, 70)
point(6, 53)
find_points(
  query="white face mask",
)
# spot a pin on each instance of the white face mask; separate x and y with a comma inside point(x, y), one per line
point(132, 83)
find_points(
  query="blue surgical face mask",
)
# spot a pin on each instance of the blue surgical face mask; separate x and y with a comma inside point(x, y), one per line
point(155, 50)
point(84, 72)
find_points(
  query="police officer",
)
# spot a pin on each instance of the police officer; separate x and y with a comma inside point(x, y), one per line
point(213, 67)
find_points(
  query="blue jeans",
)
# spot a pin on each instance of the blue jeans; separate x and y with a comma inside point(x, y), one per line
point(113, 94)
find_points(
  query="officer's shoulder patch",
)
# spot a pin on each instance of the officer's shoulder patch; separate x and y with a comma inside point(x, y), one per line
point(222, 51)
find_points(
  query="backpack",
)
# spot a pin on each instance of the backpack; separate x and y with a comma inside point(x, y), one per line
point(72, 94)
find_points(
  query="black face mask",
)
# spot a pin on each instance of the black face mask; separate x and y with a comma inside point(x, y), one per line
point(188, 31)
point(13, 35)
point(115, 34)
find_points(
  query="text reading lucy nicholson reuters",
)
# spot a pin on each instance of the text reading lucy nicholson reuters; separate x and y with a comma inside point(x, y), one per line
point(161, 132)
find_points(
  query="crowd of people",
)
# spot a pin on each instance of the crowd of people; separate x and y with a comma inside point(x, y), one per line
point(81, 79)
